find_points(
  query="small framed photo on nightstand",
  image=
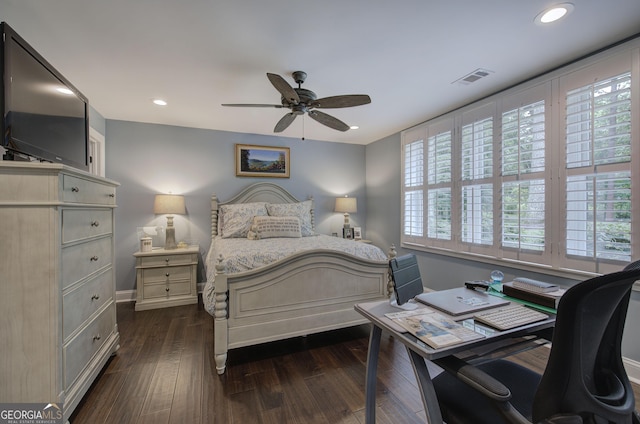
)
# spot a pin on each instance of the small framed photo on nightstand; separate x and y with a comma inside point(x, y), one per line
point(347, 233)
point(357, 233)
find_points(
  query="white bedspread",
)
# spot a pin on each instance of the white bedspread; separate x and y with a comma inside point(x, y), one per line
point(241, 254)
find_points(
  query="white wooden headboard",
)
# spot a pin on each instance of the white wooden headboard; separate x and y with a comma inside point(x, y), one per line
point(258, 192)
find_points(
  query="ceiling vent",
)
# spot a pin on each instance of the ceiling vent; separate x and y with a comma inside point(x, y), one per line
point(473, 76)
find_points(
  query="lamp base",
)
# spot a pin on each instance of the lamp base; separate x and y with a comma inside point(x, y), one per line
point(346, 220)
point(170, 240)
point(170, 235)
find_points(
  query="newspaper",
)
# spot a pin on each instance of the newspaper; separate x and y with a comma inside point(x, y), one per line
point(434, 329)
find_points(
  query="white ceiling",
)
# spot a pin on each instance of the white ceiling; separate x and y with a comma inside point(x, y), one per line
point(405, 54)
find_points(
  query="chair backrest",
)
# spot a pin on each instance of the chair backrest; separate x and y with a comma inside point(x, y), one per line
point(585, 373)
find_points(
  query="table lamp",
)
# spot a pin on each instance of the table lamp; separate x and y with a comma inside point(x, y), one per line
point(347, 205)
point(169, 204)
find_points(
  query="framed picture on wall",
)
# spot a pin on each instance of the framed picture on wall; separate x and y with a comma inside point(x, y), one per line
point(262, 161)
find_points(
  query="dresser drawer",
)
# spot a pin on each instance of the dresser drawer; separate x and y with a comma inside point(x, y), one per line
point(79, 190)
point(79, 351)
point(82, 302)
point(79, 224)
point(168, 260)
point(82, 260)
point(156, 290)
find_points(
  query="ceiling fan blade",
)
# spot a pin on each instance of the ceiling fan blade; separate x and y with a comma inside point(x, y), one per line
point(288, 93)
point(250, 105)
point(328, 120)
point(284, 122)
point(348, 100)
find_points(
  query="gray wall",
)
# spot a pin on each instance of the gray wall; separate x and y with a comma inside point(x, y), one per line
point(147, 159)
point(383, 183)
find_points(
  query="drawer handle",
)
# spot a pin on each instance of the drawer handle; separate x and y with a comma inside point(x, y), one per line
point(167, 274)
point(95, 223)
point(75, 189)
point(96, 337)
point(167, 260)
point(95, 297)
point(94, 259)
point(112, 195)
point(167, 289)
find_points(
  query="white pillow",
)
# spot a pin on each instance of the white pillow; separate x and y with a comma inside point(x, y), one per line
point(236, 219)
point(301, 209)
point(275, 226)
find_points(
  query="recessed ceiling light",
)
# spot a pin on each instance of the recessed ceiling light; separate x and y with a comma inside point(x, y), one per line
point(354, 127)
point(159, 102)
point(64, 90)
point(553, 13)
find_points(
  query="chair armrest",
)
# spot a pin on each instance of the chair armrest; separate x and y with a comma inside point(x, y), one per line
point(476, 378)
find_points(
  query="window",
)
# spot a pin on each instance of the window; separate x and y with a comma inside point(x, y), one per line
point(598, 170)
point(540, 174)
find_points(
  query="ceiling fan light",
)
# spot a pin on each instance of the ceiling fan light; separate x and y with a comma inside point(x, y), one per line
point(354, 127)
point(159, 102)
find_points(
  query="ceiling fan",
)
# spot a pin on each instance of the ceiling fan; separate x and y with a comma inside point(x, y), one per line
point(301, 101)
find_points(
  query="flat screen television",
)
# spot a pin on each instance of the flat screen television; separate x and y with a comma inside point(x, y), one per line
point(44, 117)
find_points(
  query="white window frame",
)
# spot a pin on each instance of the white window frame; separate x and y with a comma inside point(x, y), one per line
point(552, 89)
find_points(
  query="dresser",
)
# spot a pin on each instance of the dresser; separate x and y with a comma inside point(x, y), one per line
point(57, 304)
point(166, 278)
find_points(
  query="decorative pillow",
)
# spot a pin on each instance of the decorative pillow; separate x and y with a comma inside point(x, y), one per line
point(302, 210)
point(274, 226)
point(236, 219)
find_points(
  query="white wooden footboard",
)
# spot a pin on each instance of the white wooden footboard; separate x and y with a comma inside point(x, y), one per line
point(308, 293)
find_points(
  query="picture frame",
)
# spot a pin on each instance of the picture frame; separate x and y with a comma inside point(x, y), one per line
point(357, 233)
point(347, 233)
point(262, 161)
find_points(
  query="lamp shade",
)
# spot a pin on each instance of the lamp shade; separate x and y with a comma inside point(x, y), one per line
point(346, 204)
point(169, 204)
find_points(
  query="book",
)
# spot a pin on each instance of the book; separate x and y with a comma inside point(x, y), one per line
point(434, 329)
point(548, 299)
point(534, 285)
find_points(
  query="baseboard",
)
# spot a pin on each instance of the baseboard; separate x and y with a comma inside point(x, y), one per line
point(125, 296)
point(633, 369)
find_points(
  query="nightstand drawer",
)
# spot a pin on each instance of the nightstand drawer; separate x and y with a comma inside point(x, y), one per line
point(79, 190)
point(81, 260)
point(167, 260)
point(84, 301)
point(178, 288)
point(79, 224)
point(166, 274)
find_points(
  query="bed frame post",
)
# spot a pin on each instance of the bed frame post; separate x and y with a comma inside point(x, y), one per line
point(390, 255)
point(220, 326)
point(214, 216)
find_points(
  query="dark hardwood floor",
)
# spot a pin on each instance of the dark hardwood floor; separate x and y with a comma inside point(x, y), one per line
point(164, 373)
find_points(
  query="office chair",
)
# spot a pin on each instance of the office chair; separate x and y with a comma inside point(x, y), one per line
point(584, 380)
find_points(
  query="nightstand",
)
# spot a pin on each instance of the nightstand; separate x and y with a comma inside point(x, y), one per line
point(166, 278)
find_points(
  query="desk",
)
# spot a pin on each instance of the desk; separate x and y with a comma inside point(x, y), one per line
point(418, 352)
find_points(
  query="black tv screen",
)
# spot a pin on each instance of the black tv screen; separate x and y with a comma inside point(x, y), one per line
point(43, 115)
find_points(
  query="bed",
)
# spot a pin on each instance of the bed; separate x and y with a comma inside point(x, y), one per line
point(294, 286)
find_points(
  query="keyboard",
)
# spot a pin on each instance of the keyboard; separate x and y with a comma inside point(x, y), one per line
point(507, 317)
